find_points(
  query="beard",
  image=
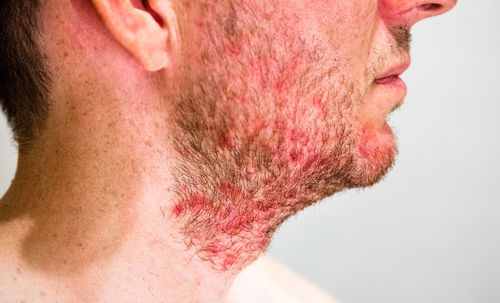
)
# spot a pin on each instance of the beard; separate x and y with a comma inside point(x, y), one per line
point(262, 130)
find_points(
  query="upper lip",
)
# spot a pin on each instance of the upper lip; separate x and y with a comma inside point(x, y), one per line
point(395, 70)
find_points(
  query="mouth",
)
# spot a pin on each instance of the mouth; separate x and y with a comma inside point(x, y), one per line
point(393, 80)
point(392, 76)
point(388, 94)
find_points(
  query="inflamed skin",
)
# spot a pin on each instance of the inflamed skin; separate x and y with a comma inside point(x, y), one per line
point(180, 134)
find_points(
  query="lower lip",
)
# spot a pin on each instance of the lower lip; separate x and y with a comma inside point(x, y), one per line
point(392, 81)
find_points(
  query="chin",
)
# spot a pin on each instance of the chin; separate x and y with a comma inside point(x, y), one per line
point(374, 156)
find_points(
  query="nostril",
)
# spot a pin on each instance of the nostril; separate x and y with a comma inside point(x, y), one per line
point(430, 7)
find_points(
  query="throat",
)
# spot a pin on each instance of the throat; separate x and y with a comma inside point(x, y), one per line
point(229, 228)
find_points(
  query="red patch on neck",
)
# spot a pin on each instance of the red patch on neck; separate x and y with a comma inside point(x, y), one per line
point(226, 228)
point(194, 204)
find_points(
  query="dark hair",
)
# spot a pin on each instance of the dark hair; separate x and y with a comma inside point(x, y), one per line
point(24, 80)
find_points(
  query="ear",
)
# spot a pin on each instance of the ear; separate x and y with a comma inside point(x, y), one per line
point(149, 33)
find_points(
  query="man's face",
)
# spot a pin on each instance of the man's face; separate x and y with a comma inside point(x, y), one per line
point(281, 103)
point(286, 92)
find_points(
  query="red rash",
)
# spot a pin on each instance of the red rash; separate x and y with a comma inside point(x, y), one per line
point(232, 214)
point(195, 204)
point(227, 140)
point(373, 145)
point(368, 148)
point(178, 209)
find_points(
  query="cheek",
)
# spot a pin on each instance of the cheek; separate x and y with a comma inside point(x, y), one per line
point(347, 27)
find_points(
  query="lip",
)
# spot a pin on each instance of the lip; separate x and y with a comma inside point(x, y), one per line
point(390, 91)
point(391, 76)
point(393, 80)
point(394, 71)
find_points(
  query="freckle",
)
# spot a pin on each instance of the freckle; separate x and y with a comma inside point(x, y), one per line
point(42, 294)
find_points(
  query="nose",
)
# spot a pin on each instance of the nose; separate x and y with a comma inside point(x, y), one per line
point(413, 11)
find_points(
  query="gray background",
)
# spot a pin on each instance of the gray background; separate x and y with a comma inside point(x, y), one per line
point(429, 231)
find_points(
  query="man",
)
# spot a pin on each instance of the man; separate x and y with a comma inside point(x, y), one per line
point(162, 142)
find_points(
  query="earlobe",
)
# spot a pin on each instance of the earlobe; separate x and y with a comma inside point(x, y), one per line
point(151, 41)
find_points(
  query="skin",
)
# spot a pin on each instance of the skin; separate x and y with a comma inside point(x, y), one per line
point(182, 134)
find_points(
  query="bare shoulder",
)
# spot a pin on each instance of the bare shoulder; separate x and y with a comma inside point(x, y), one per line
point(267, 281)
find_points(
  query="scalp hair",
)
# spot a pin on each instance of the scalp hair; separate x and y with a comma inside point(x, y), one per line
point(24, 80)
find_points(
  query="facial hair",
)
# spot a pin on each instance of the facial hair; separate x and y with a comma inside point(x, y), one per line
point(263, 130)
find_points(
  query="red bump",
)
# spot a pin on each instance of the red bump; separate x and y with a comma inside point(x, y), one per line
point(227, 140)
point(194, 204)
point(317, 100)
point(178, 209)
point(229, 260)
point(228, 188)
point(294, 156)
point(213, 249)
point(280, 86)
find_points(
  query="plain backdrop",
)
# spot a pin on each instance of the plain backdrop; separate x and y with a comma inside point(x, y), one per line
point(429, 231)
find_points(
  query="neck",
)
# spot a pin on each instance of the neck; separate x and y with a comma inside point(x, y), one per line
point(99, 207)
